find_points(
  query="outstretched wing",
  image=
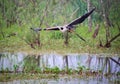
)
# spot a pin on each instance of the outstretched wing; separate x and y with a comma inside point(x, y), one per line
point(52, 28)
point(81, 19)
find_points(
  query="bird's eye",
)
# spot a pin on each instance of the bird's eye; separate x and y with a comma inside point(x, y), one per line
point(61, 28)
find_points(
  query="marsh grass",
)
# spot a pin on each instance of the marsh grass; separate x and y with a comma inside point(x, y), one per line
point(53, 41)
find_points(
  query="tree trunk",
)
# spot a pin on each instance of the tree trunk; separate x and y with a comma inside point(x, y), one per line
point(106, 19)
point(66, 38)
point(89, 18)
point(105, 13)
point(96, 31)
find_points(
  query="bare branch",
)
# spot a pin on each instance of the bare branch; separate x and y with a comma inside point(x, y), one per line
point(109, 42)
point(45, 12)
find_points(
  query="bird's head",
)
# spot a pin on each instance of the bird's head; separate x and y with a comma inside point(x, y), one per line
point(63, 28)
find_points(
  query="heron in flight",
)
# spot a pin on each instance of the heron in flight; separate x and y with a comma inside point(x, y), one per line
point(71, 26)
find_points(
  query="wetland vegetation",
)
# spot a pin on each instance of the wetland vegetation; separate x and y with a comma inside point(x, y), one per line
point(54, 66)
point(101, 32)
point(18, 17)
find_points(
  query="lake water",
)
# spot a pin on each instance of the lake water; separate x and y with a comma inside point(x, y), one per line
point(95, 62)
point(70, 80)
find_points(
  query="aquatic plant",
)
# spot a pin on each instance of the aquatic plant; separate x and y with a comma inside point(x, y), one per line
point(47, 70)
point(37, 70)
point(15, 67)
point(81, 68)
point(69, 71)
point(55, 70)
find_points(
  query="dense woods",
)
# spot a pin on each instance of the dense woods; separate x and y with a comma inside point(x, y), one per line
point(18, 12)
point(18, 16)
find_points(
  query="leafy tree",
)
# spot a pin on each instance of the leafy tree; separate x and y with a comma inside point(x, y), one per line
point(8, 12)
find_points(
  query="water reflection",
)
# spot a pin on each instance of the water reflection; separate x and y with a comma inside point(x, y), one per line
point(19, 62)
point(94, 62)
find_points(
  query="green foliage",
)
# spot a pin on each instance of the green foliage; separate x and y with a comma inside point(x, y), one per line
point(30, 13)
point(56, 35)
point(81, 68)
point(55, 70)
point(70, 71)
point(115, 12)
point(58, 12)
point(15, 67)
point(8, 12)
point(47, 70)
point(80, 5)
